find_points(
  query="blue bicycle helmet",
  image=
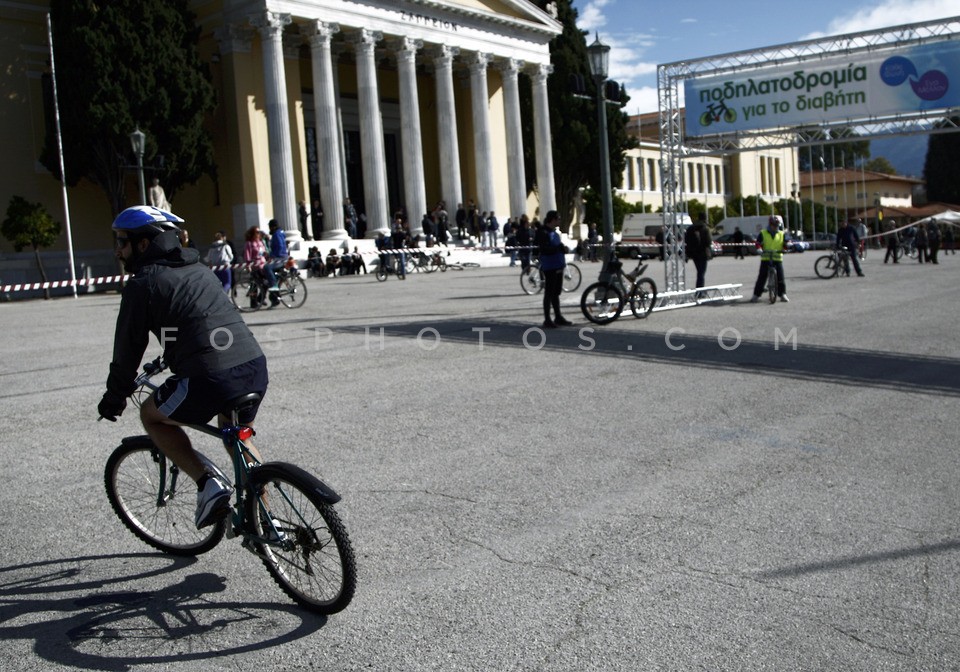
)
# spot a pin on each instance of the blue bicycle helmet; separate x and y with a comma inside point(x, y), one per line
point(146, 221)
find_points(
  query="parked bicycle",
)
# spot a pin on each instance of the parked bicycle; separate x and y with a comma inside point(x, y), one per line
point(602, 302)
point(837, 262)
point(390, 265)
point(282, 514)
point(531, 278)
point(428, 263)
point(250, 291)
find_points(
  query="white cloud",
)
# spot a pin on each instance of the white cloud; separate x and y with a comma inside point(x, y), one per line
point(889, 13)
point(592, 16)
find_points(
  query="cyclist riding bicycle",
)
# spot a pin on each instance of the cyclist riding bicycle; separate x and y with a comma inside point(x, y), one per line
point(772, 242)
point(213, 355)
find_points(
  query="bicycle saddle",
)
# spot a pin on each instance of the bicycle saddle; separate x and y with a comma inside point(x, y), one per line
point(243, 402)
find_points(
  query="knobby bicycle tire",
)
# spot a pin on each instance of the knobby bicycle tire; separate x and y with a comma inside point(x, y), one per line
point(571, 278)
point(293, 291)
point(155, 500)
point(643, 297)
point(772, 283)
point(531, 280)
point(826, 266)
point(602, 302)
point(314, 564)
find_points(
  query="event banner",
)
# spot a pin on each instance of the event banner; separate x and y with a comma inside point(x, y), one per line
point(892, 81)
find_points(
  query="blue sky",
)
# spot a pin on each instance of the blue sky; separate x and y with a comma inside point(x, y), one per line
point(645, 34)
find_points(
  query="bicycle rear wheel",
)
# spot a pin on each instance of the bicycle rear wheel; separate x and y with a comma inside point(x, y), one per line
point(602, 303)
point(571, 278)
point(314, 562)
point(293, 291)
point(155, 500)
point(531, 280)
point(826, 266)
point(643, 297)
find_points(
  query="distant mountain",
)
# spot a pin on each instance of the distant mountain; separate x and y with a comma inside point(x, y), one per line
point(906, 152)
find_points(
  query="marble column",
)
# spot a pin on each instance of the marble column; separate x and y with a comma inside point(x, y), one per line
point(284, 201)
point(328, 132)
point(411, 140)
point(511, 112)
point(371, 135)
point(450, 180)
point(480, 98)
point(546, 186)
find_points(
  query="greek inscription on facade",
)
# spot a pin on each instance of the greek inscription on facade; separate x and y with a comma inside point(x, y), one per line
point(429, 21)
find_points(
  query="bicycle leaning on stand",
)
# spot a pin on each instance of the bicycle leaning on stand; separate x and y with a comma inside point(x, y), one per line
point(602, 302)
point(282, 514)
point(531, 278)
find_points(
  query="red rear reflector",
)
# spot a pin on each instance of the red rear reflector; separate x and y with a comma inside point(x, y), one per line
point(244, 433)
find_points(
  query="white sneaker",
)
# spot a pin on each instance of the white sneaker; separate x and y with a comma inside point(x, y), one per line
point(271, 530)
point(213, 502)
point(784, 298)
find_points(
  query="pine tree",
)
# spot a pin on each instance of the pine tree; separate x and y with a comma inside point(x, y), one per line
point(123, 64)
point(573, 121)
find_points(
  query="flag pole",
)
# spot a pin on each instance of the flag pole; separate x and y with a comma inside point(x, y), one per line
point(63, 176)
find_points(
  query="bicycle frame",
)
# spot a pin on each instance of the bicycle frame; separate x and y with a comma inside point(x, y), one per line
point(232, 435)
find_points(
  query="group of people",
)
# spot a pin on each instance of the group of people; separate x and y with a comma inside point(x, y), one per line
point(925, 237)
point(348, 263)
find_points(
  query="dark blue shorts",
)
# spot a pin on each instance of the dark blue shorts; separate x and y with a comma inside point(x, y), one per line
point(195, 400)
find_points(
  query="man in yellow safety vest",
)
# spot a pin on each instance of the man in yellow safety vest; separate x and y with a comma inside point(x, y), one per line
point(772, 243)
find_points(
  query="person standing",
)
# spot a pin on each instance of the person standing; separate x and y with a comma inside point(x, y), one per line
point(893, 243)
point(849, 239)
point(933, 240)
point(316, 219)
point(460, 218)
point(772, 242)
point(738, 243)
point(552, 263)
point(699, 244)
point(302, 215)
point(920, 240)
point(219, 257)
point(350, 217)
point(948, 240)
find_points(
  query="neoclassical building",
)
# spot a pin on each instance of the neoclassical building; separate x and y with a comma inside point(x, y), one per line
point(392, 103)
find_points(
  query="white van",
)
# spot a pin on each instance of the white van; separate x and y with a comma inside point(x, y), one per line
point(639, 234)
point(752, 224)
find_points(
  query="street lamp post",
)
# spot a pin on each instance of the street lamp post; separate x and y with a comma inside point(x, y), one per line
point(599, 56)
point(138, 141)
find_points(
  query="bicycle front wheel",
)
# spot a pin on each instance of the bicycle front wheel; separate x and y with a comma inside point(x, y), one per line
point(772, 284)
point(293, 291)
point(571, 278)
point(530, 280)
point(643, 297)
point(155, 500)
point(312, 561)
point(826, 266)
point(602, 303)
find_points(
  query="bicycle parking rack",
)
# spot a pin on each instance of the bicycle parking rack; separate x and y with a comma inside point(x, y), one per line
point(695, 297)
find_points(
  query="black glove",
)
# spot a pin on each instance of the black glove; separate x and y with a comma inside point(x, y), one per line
point(111, 407)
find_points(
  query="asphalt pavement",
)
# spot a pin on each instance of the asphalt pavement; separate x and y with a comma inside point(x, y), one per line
point(724, 487)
